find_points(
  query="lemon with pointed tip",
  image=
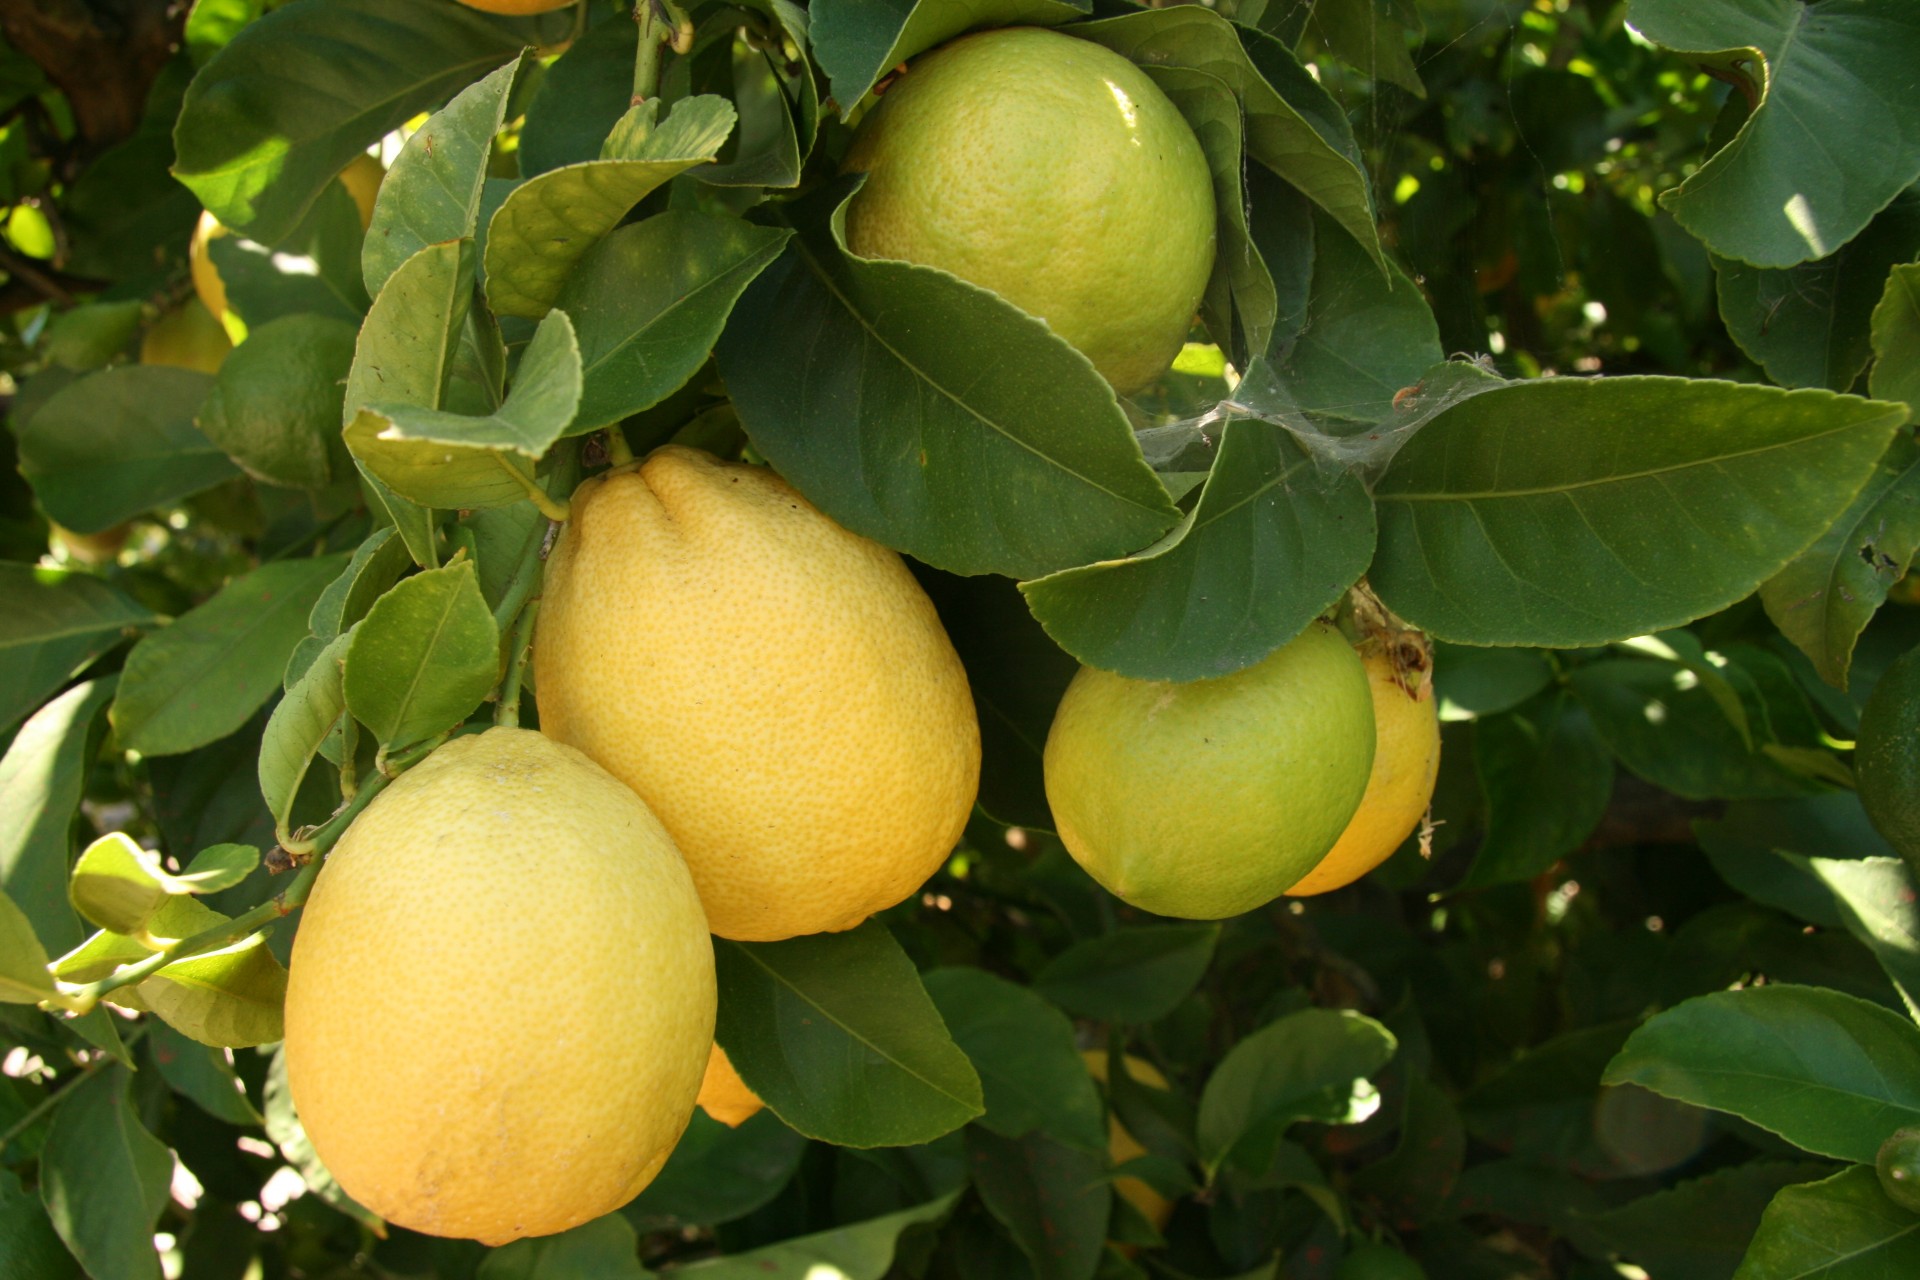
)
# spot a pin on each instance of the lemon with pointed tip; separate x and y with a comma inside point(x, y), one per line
point(778, 689)
point(501, 994)
point(1054, 172)
point(1406, 763)
point(1207, 799)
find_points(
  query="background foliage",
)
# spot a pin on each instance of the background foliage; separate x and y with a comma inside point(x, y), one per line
point(1648, 1005)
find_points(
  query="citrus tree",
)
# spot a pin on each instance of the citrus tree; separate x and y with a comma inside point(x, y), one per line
point(1032, 638)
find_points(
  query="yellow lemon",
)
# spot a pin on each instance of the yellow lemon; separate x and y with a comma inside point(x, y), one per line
point(1406, 761)
point(362, 178)
point(188, 337)
point(724, 1095)
point(1054, 172)
point(777, 689)
point(1207, 799)
point(501, 994)
point(1122, 1146)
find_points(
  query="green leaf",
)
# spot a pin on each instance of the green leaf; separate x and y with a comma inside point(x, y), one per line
point(1271, 544)
point(1876, 902)
point(44, 775)
point(1829, 144)
point(218, 867)
point(1484, 682)
point(231, 997)
point(1572, 512)
point(53, 623)
point(861, 382)
point(118, 885)
point(23, 961)
point(199, 680)
point(606, 1246)
point(104, 1179)
point(425, 656)
point(91, 334)
point(1662, 721)
point(442, 459)
point(275, 406)
point(718, 1173)
point(1366, 336)
point(836, 1033)
point(578, 100)
point(118, 443)
point(778, 101)
point(1413, 1182)
point(1825, 596)
point(1303, 1066)
point(1831, 1074)
point(376, 565)
point(851, 1251)
point(1896, 340)
point(1547, 776)
point(313, 270)
point(1031, 1075)
point(432, 193)
point(301, 724)
point(411, 338)
point(27, 1238)
point(1368, 36)
point(550, 221)
point(1809, 325)
point(201, 1073)
point(1052, 1198)
point(1701, 1228)
point(1844, 1228)
point(650, 300)
point(857, 44)
point(1135, 975)
point(1293, 126)
point(295, 96)
point(1746, 846)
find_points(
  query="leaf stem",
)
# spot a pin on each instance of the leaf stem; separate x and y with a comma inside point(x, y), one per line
point(508, 712)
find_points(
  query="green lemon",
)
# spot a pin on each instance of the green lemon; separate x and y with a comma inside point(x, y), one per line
point(1898, 1165)
point(1886, 759)
point(1052, 171)
point(276, 407)
point(1375, 1261)
point(1207, 799)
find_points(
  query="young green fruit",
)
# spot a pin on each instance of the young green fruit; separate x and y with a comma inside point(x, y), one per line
point(1898, 1166)
point(777, 689)
point(1054, 172)
point(1886, 759)
point(501, 996)
point(1208, 799)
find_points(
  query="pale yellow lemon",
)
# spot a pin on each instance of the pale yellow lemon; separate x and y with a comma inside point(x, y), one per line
point(1122, 1146)
point(362, 178)
point(1210, 798)
point(501, 994)
point(778, 689)
point(724, 1095)
point(1406, 762)
point(1054, 172)
point(187, 337)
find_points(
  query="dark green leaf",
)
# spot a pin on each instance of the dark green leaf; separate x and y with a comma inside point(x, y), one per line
point(1825, 596)
point(296, 95)
point(1031, 1074)
point(1701, 1228)
point(1368, 36)
point(53, 622)
point(1828, 145)
point(1876, 901)
point(1808, 326)
point(442, 459)
point(424, 657)
point(23, 961)
point(1844, 1228)
point(376, 565)
point(1831, 1074)
point(606, 1246)
point(1896, 340)
point(199, 680)
point(92, 333)
point(852, 1251)
point(1484, 682)
point(1305, 1066)
point(1413, 1183)
point(579, 99)
point(836, 1033)
point(118, 443)
point(1053, 1199)
point(431, 195)
point(44, 775)
point(1547, 777)
point(717, 1173)
point(202, 1073)
point(550, 222)
point(1273, 541)
point(104, 1179)
point(1571, 511)
point(860, 381)
point(314, 270)
point(650, 300)
point(857, 44)
point(27, 1239)
point(1134, 975)
point(1747, 846)
point(302, 723)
